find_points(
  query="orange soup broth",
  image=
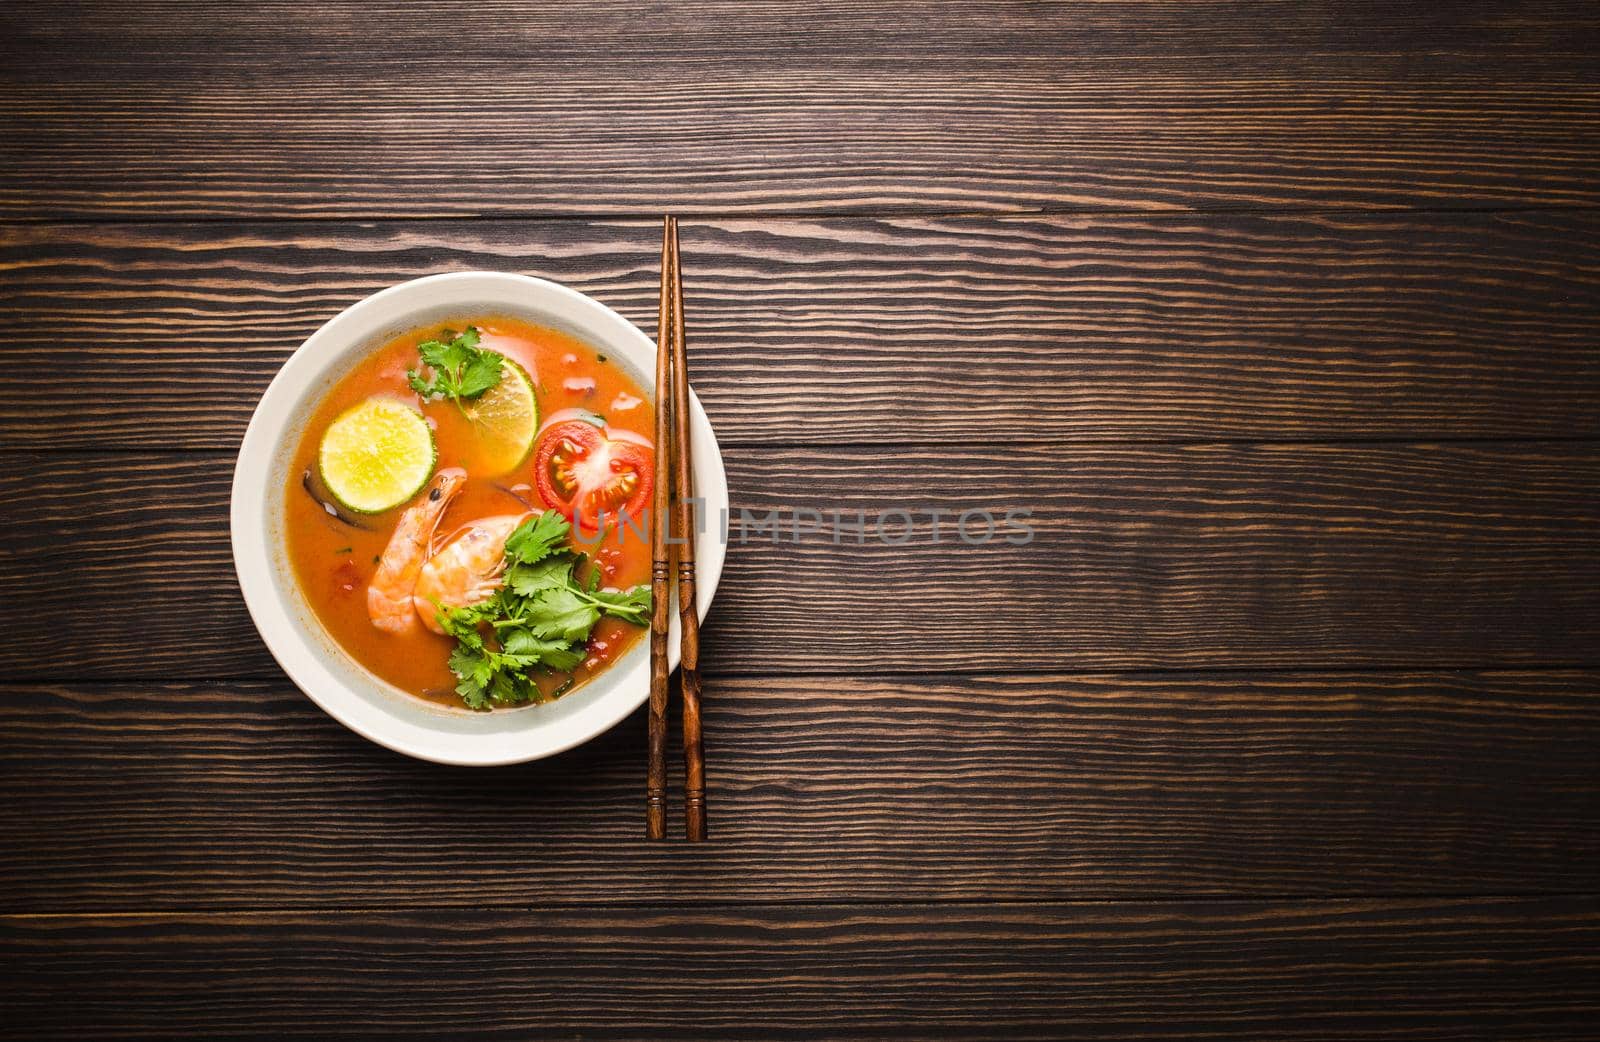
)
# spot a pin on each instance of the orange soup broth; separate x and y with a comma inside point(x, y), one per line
point(334, 562)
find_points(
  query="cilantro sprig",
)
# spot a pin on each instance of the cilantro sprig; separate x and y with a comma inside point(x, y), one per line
point(538, 622)
point(457, 368)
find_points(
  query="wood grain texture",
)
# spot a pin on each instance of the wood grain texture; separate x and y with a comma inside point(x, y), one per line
point(911, 330)
point(1211, 556)
point(336, 117)
point(1366, 969)
point(182, 34)
point(222, 796)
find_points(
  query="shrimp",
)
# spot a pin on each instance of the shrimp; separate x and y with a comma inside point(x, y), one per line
point(467, 569)
point(389, 600)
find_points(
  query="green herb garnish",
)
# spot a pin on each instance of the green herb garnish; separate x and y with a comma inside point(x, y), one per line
point(458, 368)
point(537, 622)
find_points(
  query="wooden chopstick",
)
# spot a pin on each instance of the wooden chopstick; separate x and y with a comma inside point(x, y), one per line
point(673, 502)
point(694, 781)
point(660, 562)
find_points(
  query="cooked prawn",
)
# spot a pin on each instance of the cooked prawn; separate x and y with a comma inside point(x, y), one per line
point(389, 600)
point(466, 569)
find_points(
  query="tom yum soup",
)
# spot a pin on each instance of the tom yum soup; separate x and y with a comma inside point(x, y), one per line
point(452, 512)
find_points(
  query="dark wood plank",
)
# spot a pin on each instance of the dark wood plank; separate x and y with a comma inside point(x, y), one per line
point(1207, 556)
point(178, 34)
point(193, 796)
point(1369, 969)
point(398, 130)
point(809, 332)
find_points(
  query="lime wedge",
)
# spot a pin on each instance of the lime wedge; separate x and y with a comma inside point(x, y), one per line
point(376, 455)
point(506, 417)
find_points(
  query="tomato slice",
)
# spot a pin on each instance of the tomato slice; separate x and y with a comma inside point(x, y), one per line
point(585, 471)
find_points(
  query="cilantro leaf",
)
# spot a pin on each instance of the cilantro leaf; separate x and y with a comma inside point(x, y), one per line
point(471, 664)
point(537, 538)
point(567, 660)
point(473, 695)
point(462, 624)
point(480, 372)
point(628, 605)
point(444, 355)
point(528, 580)
point(524, 643)
point(561, 613)
point(456, 368)
point(474, 669)
point(537, 623)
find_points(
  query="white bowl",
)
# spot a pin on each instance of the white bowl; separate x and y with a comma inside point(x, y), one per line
point(325, 672)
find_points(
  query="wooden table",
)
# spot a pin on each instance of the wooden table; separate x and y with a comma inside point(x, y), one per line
point(1279, 317)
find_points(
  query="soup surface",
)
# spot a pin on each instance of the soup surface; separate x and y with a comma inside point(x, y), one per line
point(336, 552)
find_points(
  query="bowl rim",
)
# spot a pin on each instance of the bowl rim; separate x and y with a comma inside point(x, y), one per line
point(308, 371)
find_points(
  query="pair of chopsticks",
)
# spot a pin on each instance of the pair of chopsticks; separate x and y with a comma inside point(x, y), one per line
point(673, 494)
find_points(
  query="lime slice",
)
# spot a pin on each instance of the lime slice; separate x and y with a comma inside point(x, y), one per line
point(376, 455)
point(506, 417)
